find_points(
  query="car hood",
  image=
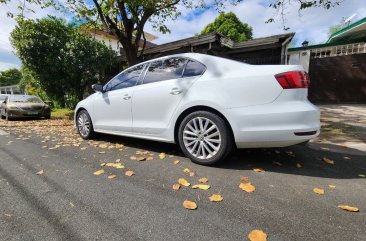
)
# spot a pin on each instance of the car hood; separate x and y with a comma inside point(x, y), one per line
point(27, 105)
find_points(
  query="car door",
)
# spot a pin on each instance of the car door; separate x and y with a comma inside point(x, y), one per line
point(112, 107)
point(155, 101)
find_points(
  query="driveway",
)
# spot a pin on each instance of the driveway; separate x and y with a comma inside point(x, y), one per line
point(66, 201)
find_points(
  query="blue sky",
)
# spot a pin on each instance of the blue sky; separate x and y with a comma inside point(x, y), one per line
point(312, 25)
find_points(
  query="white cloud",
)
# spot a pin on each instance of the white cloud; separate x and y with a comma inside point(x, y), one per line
point(313, 25)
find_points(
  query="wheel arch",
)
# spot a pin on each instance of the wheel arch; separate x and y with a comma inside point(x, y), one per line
point(199, 108)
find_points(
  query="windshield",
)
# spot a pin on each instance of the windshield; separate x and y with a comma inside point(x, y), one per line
point(25, 99)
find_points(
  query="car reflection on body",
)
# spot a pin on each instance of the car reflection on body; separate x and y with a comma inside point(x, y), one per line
point(19, 106)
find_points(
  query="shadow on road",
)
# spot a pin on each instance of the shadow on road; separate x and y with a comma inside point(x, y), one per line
point(348, 163)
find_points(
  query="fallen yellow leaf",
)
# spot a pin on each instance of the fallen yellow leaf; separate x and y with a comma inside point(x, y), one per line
point(176, 161)
point(216, 198)
point(201, 186)
point(176, 186)
point(203, 180)
point(112, 176)
point(248, 187)
point(257, 235)
point(328, 161)
point(97, 173)
point(109, 164)
point(186, 170)
point(183, 182)
point(102, 164)
point(189, 205)
point(192, 174)
point(318, 191)
point(348, 208)
point(133, 157)
point(162, 155)
point(149, 158)
point(40, 172)
point(118, 160)
point(141, 158)
point(332, 186)
point(101, 152)
point(129, 173)
point(258, 169)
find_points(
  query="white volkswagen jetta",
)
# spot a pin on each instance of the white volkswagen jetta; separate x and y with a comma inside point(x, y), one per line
point(206, 104)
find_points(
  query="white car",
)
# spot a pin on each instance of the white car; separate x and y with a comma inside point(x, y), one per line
point(206, 104)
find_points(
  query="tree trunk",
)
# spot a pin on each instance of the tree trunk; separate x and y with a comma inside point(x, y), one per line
point(131, 54)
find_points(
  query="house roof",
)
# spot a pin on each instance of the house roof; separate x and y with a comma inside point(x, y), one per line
point(224, 41)
point(354, 32)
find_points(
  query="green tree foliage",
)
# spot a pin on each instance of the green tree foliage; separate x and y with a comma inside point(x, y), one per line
point(31, 85)
point(10, 77)
point(63, 60)
point(230, 26)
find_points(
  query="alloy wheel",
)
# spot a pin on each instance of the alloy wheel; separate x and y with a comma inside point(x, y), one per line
point(83, 124)
point(202, 138)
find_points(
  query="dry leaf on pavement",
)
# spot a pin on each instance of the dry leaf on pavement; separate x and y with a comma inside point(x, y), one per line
point(162, 155)
point(201, 186)
point(40, 172)
point(348, 208)
point(332, 186)
point(183, 182)
point(318, 191)
point(216, 198)
point(97, 173)
point(258, 169)
point(189, 205)
point(248, 187)
point(203, 180)
point(176, 186)
point(176, 161)
point(112, 176)
point(129, 173)
point(328, 161)
point(186, 170)
point(257, 235)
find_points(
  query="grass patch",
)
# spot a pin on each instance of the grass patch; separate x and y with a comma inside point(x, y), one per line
point(62, 114)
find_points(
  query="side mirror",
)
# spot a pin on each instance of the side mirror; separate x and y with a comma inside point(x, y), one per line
point(97, 88)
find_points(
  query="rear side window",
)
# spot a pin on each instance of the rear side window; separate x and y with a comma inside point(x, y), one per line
point(171, 68)
point(194, 68)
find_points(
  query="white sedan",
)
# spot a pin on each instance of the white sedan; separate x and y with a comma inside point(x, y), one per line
point(206, 104)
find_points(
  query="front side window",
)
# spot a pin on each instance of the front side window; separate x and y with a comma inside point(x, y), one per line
point(194, 68)
point(161, 70)
point(125, 79)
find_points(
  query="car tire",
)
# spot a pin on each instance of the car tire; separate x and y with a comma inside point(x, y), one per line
point(205, 137)
point(47, 117)
point(84, 125)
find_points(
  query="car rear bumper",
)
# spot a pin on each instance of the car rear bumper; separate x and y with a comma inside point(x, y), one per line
point(277, 124)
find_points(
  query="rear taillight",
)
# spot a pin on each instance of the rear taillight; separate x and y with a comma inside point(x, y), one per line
point(293, 79)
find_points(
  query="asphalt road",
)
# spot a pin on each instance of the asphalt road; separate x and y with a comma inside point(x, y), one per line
point(68, 202)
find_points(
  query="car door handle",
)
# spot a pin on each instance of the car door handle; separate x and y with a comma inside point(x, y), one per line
point(175, 91)
point(127, 97)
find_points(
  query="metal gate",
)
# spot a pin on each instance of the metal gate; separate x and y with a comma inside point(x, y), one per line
point(339, 79)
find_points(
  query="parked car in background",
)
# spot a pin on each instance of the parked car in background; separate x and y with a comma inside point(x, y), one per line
point(18, 106)
point(206, 104)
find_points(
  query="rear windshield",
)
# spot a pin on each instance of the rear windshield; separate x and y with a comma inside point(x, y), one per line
point(25, 99)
